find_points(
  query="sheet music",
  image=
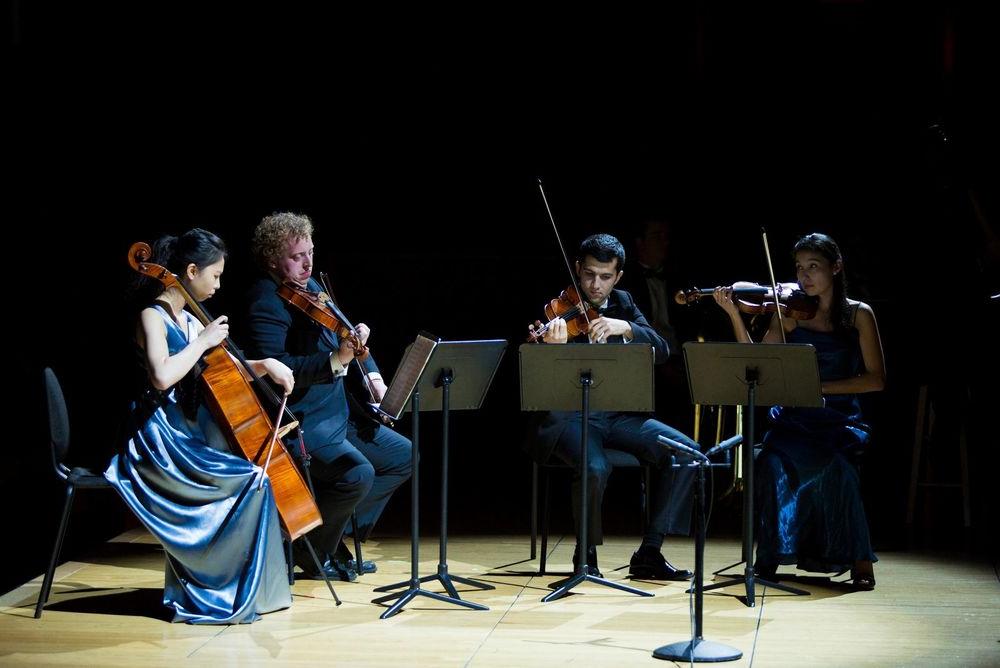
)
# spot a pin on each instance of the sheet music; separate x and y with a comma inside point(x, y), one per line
point(407, 375)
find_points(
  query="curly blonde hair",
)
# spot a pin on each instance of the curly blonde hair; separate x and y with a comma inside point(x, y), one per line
point(273, 234)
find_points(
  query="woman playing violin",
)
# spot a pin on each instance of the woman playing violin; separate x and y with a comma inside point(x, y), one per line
point(225, 562)
point(809, 501)
point(355, 466)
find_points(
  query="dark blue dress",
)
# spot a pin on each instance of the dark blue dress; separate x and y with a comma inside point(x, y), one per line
point(206, 506)
point(808, 497)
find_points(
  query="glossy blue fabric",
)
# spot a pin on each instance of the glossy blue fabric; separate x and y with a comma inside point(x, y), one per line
point(225, 562)
point(808, 498)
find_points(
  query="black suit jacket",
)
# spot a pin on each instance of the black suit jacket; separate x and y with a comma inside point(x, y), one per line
point(546, 428)
point(635, 283)
point(279, 330)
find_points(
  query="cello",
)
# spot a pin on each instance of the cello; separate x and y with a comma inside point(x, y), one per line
point(225, 383)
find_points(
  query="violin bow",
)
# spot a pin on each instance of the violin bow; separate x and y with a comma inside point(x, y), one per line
point(774, 285)
point(274, 438)
point(562, 249)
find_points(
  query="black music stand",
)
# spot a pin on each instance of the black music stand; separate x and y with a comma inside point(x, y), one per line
point(751, 374)
point(573, 376)
point(468, 367)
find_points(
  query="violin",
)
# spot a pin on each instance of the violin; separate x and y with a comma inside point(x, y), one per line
point(754, 299)
point(569, 307)
point(319, 308)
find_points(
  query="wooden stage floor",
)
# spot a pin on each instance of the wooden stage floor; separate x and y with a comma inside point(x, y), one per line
point(106, 610)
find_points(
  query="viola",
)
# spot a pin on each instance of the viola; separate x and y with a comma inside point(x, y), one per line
point(569, 307)
point(320, 309)
point(754, 299)
point(237, 410)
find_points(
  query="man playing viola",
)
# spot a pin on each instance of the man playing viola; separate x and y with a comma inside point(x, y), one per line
point(355, 465)
point(599, 269)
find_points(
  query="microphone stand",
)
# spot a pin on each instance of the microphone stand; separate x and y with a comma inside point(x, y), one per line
point(698, 649)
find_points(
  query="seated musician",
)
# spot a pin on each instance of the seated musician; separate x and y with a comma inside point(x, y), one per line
point(225, 562)
point(599, 268)
point(355, 465)
point(809, 507)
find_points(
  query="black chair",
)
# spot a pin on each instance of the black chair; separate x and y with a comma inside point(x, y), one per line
point(73, 478)
point(618, 459)
point(358, 557)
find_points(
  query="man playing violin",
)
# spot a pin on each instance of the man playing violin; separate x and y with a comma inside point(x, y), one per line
point(599, 269)
point(355, 466)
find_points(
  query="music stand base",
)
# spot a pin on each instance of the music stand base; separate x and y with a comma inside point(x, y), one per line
point(414, 591)
point(446, 581)
point(699, 651)
point(567, 584)
point(443, 576)
point(750, 582)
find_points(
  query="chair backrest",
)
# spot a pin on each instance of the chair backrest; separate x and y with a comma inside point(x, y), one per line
point(58, 421)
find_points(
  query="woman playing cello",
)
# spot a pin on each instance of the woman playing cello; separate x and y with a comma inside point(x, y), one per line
point(213, 511)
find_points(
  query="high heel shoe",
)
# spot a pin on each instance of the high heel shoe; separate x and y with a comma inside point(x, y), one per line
point(862, 580)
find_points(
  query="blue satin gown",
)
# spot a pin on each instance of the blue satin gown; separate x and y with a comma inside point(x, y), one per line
point(808, 497)
point(225, 562)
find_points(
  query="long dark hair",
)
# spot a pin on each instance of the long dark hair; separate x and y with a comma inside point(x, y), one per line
point(840, 310)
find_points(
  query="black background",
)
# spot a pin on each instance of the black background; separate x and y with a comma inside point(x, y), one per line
point(414, 141)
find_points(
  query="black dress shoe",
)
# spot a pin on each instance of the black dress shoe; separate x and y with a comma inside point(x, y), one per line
point(591, 567)
point(332, 573)
point(367, 566)
point(344, 559)
point(650, 565)
point(330, 567)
